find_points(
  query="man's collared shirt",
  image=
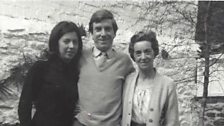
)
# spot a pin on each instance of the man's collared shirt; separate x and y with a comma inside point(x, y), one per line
point(97, 53)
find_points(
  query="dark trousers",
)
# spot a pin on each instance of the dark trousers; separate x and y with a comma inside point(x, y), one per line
point(136, 124)
point(77, 123)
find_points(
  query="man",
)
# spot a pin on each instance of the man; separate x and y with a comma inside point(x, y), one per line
point(102, 73)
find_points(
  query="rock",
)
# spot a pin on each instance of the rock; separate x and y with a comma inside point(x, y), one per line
point(9, 112)
point(219, 122)
point(218, 109)
point(220, 114)
point(208, 125)
point(16, 30)
point(210, 114)
point(164, 54)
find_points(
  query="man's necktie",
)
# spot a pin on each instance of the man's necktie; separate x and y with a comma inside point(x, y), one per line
point(101, 60)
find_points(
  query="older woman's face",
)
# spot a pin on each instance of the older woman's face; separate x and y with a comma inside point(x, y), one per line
point(68, 46)
point(144, 55)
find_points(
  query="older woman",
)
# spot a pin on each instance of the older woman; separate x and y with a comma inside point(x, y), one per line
point(51, 85)
point(149, 98)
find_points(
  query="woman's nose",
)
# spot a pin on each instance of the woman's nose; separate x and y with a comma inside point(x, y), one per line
point(143, 56)
point(148, 56)
point(71, 44)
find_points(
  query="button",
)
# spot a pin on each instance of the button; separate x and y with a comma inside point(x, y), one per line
point(129, 102)
point(151, 109)
point(128, 124)
point(150, 120)
point(89, 115)
point(129, 113)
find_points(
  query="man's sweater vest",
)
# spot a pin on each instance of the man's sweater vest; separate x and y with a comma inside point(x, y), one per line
point(100, 92)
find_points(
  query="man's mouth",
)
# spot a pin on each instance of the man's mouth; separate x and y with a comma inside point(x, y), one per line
point(144, 63)
point(102, 39)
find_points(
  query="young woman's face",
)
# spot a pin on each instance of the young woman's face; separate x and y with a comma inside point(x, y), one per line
point(68, 46)
point(144, 55)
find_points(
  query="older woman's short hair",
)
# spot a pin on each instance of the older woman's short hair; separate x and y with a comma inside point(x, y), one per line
point(100, 15)
point(149, 36)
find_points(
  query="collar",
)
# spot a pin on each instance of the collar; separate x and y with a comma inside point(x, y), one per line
point(138, 72)
point(96, 52)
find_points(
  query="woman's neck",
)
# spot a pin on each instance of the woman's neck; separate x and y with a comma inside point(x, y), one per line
point(66, 61)
point(147, 74)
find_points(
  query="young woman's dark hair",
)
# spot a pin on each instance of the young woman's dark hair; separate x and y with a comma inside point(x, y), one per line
point(57, 32)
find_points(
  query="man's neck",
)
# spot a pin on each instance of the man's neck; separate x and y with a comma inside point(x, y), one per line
point(97, 52)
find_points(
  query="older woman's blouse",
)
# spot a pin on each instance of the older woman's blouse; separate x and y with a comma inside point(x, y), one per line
point(141, 101)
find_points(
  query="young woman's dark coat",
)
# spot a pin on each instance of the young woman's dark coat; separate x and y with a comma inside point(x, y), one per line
point(51, 87)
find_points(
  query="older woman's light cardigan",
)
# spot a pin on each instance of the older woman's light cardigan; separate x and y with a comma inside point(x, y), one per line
point(163, 107)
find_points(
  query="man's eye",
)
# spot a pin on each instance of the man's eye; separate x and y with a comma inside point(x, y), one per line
point(97, 28)
point(138, 53)
point(108, 28)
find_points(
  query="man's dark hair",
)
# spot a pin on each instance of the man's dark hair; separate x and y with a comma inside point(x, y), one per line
point(100, 15)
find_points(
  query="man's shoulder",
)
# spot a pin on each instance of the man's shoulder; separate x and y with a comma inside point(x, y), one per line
point(125, 60)
point(121, 54)
point(87, 48)
point(86, 51)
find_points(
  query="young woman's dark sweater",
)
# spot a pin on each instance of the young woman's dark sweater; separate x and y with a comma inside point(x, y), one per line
point(51, 88)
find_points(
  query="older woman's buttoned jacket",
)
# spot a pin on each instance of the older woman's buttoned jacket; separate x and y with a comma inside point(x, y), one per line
point(163, 107)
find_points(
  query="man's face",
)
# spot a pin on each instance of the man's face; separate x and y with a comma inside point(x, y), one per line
point(103, 34)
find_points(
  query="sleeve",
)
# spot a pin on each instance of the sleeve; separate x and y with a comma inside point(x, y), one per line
point(172, 115)
point(130, 66)
point(27, 95)
point(77, 109)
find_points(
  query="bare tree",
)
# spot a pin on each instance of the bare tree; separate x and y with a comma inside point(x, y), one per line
point(206, 72)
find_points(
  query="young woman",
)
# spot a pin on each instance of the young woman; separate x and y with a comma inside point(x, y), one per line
point(149, 98)
point(51, 86)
